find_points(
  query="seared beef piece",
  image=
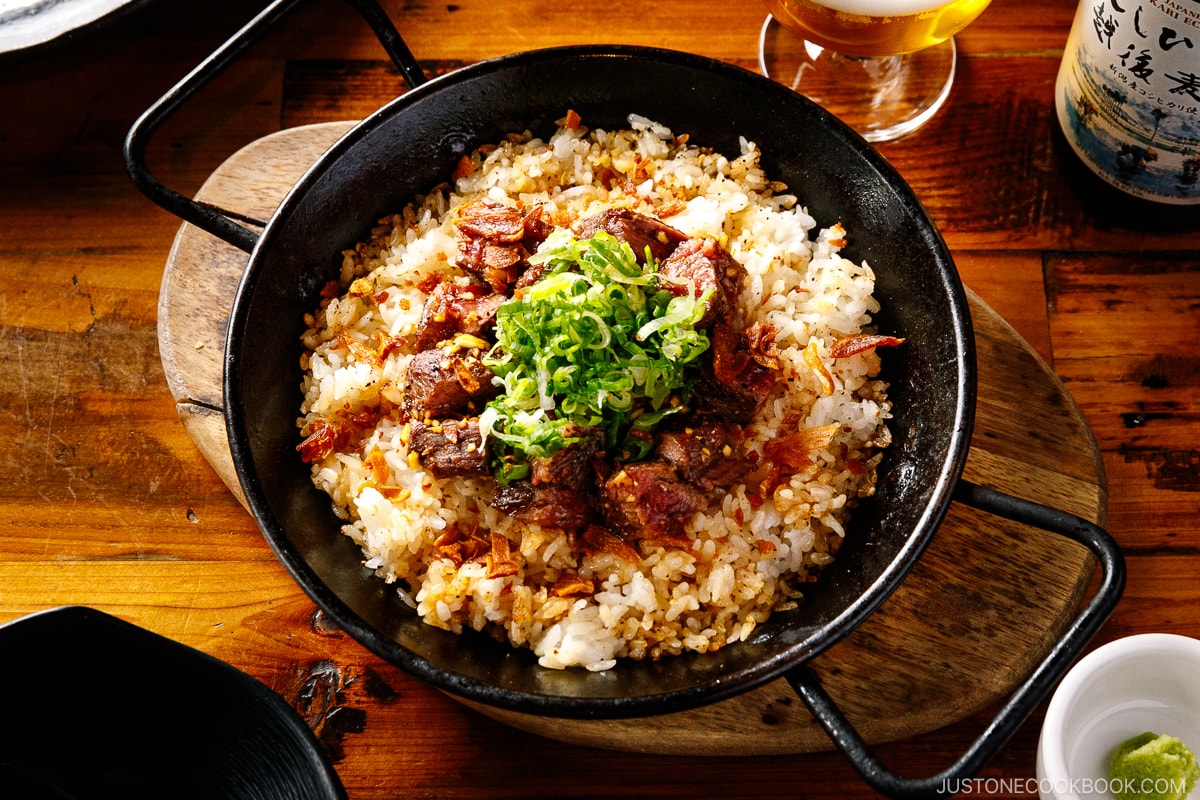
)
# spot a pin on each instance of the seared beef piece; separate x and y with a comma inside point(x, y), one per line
point(532, 274)
point(647, 500)
point(547, 505)
point(729, 402)
point(739, 374)
point(498, 265)
point(571, 466)
point(538, 227)
point(733, 385)
point(559, 488)
point(638, 230)
point(705, 453)
point(488, 219)
point(703, 265)
point(495, 240)
point(477, 315)
point(449, 447)
point(452, 308)
point(437, 321)
point(442, 383)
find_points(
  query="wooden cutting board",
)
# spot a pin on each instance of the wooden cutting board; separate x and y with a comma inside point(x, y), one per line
point(983, 605)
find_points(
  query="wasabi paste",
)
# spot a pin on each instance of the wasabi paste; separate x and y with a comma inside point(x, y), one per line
point(1153, 767)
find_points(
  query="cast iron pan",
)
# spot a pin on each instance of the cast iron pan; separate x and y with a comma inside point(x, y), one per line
point(412, 144)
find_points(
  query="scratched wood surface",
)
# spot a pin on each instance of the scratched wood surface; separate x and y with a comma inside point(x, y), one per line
point(108, 501)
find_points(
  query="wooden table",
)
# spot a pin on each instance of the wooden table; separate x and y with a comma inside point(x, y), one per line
point(107, 501)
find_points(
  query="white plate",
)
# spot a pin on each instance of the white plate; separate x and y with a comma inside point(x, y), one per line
point(26, 24)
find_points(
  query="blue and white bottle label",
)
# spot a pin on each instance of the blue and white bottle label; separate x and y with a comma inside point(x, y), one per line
point(1128, 95)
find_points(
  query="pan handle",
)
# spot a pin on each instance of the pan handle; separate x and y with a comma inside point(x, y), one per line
point(216, 221)
point(1023, 700)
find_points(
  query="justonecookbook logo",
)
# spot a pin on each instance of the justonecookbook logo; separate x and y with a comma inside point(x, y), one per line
point(1063, 787)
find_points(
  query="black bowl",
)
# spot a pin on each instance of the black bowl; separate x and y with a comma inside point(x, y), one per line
point(98, 708)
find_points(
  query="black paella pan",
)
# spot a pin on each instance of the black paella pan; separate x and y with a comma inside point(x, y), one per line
point(412, 144)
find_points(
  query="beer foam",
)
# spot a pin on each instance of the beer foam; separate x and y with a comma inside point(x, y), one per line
point(882, 8)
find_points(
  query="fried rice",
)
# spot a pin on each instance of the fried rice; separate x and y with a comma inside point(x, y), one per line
point(747, 554)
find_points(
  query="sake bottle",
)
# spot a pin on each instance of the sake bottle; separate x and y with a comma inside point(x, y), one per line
point(1128, 96)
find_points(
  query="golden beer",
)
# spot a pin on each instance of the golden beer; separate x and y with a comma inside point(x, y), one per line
point(875, 27)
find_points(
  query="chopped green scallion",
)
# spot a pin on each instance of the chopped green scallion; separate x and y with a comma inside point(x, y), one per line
point(595, 342)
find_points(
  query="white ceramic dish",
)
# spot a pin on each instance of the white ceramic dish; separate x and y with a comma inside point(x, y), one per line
point(1147, 682)
point(30, 24)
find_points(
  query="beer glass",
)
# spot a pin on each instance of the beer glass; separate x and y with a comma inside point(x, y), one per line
point(882, 66)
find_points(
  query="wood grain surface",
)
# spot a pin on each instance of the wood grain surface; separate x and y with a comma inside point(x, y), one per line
point(107, 500)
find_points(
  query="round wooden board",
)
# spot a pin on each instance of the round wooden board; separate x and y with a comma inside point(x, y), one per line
point(984, 603)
